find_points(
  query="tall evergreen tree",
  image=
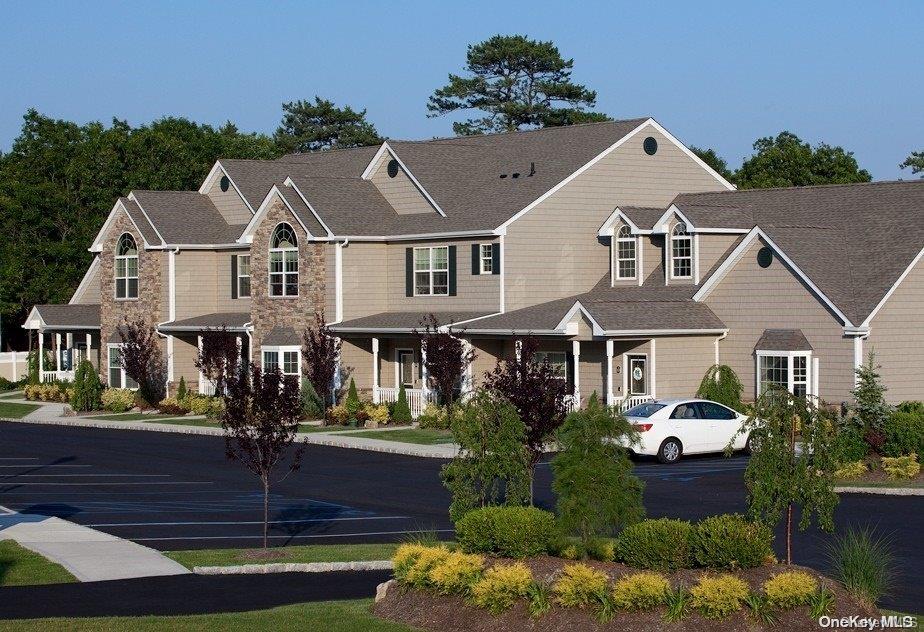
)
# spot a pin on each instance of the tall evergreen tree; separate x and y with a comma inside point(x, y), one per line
point(915, 162)
point(308, 126)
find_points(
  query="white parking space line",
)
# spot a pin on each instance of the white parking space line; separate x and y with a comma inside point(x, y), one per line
point(221, 522)
point(118, 483)
point(19, 458)
point(43, 466)
point(85, 475)
point(288, 537)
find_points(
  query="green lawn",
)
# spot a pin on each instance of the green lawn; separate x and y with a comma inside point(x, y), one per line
point(16, 411)
point(21, 567)
point(330, 616)
point(16, 395)
point(301, 554)
point(309, 428)
point(132, 417)
point(186, 421)
point(425, 436)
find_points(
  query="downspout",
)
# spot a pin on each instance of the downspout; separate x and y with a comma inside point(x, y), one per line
point(717, 341)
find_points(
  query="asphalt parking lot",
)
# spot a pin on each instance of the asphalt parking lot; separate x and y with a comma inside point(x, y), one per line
point(175, 491)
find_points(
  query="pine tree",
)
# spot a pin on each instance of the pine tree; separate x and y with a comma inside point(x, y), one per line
point(353, 405)
point(871, 412)
point(402, 412)
point(182, 390)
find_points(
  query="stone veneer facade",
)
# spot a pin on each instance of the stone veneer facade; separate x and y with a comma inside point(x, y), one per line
point(147, 306)
point(296, 312)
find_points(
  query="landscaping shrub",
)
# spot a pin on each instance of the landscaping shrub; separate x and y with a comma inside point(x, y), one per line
point(790, 589)
point(721, 384)
point(579, 585)
point(118, 400)
point(181, 390)
point(352, 403)
point(405, 557)
point(6, 385)
point(501, 586)
point(677, 602)
point(338, 414)
point(49, 392)
point(418, 575)
point(312, 404)
point(172, 406)
point(662, 544)
point(641, 591)
point(863, 562)
point(913, 407)
point(849, 444)
point(718, 597)
point(731, 541)
point(211, 407)
point(901, 466)
point(88, 390)
point(904, 434)
point(821, 603)
point(433, 416)
point(401, 414)
point(602, 550)
point(506, 531)
point(854, 469)
point(539, 595)
point(377, 413)
point(457, 573)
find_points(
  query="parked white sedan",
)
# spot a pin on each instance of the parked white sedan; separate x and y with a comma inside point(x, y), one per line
point(671, 427)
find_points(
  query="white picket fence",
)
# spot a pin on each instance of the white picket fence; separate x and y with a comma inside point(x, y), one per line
point(417, 398)
point(14, 364)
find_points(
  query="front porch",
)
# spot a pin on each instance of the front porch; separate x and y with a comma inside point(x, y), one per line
point(70, 333)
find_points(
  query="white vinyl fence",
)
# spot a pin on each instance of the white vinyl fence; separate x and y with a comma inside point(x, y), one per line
point(14, 364)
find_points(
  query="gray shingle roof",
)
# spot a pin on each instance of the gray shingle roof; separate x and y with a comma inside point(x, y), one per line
point(783, 340)
point(643, 216)
point(231, 320)
point(147, 231)
point(283, 337)
point(70, 316)
point(187, 217)
point(853, 241)
point(403, 320)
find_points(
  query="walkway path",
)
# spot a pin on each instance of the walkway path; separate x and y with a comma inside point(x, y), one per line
point(89, 555)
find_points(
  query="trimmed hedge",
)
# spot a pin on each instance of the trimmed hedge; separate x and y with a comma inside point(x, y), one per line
point(731, 541)
point(662, 544)
point(904, 434)
point(507, 531)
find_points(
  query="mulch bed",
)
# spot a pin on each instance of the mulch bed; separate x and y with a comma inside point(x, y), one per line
point(452, 614)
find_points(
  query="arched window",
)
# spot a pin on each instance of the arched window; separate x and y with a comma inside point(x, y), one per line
point(681, 252)
point(126, 267)
point(283, 262)
point(625, 254)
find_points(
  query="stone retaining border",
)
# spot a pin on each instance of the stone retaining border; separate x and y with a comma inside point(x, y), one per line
point(882, 491)
point(294, 567)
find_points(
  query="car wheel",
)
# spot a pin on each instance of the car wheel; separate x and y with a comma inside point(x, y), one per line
point(751, 445)
point(670, 450)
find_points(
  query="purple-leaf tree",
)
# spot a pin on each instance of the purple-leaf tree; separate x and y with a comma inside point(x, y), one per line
point(536, 390)
point(141, 358)
point(260, 420)
point(446, 359)
point(320, 358)
point(219, 356)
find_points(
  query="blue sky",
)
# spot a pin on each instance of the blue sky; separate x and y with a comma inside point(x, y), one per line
point(716, 75)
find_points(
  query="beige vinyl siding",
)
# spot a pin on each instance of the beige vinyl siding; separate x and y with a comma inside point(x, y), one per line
point(592, 370)
point(751, 299)
point(474, 292)
point(400, 191)
point(622, 348)
point(487, 351)
point(197, 282)
point(681, 362)
point(365, 279)
point(185, 352)
point(553, 250)
point(356, 360)
point(897, 339)
point(224, 302)
point(711, 248)
point(90, 294)
point(229, 203)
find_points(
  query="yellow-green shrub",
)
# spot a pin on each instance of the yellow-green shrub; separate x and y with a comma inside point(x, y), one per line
point(500, 586)
point(901, 466)
point(405, 557)
point(339, 414)
point(601, 550)
point(579, 585)
point(456, 573)
point(377, 413)
point(570, 552)
point(201, 405)
point(790, 589)
point(641, 591)
point(717, 597)
point(853, 469)
point(418, 575)
point(118, 400)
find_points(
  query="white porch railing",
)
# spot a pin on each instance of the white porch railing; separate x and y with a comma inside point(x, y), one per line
point(206, 387)
point(572, 402)
point(417, 398)
point(625, 403)
point(56, 376)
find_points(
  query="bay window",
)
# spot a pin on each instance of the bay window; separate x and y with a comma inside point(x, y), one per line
point(790, 370)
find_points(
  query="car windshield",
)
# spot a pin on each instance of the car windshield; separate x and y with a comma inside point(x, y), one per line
point(644, 410)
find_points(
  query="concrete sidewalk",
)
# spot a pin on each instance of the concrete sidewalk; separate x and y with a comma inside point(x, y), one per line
point(89, 555)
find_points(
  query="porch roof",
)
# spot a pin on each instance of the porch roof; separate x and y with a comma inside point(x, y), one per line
point(402, 322)
point(233, 321)
point(63, 317)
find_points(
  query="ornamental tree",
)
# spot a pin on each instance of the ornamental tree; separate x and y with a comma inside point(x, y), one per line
point(721, 384)
point(260, 420)
point(536, 390)
point(793, 459)
point(141, 358)
point(219, 356)
point(446, 359)
point(321, 359)
point(870, 410)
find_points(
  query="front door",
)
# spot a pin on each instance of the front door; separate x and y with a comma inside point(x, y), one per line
point(406, 368)
point(638, 375)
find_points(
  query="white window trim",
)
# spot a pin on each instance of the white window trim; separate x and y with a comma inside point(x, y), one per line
point(627, 381)
point(280, 349)
point(109, 347)
point(269, 272)
point(617, 259)
point(811, 379)
point(431, 270)
point(688, 236)
point(127, 277)
point(243, 276)
point(549, 354)
point(482, 258)
point(414, 369)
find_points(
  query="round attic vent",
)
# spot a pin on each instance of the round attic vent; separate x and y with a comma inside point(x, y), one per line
point(650, 145)
point(225, 183)
point(765, 257)
point(393, 168)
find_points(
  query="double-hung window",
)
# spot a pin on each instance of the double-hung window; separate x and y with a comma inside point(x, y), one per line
point(431, 271)
point(283, 262)
point(625, 254)
point(681, 252)
point(117, 376)
point(243, 276)
point(486, 258)
point(288, 360)
point(784, 369)
point(126, 268)
point(558, 360)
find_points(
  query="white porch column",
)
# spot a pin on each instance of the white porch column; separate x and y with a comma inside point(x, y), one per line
point(169, 361)
point(199, 348)
point(610, 398)
point(576, 352)
point(518, 349)
point(653, 374)
point(424, 377)
point(57, 352)
point(815, 386)
point(375, 371)
point(41, 354)
point(468, 379)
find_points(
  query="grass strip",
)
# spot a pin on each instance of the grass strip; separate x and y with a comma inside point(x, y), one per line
point(295, 554)
point(11, 410)
point(21, 567)
point(422, 436)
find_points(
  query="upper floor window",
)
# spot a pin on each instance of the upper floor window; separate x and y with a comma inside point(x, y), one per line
point(486, 258)
point(625, 254)
point(243, 276)
point(681, 252)
point(431, 271)
point(283, 262)
point(126, 267)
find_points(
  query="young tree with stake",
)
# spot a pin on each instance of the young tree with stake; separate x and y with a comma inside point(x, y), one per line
point(446, 359)
point(260, 420)
point(219, 356)
point(321, 359)
point(140, 357)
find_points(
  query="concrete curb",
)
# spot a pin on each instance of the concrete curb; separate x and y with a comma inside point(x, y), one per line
point(309, 567)
point(882, 491)
point(379, 445)
point(115, 425)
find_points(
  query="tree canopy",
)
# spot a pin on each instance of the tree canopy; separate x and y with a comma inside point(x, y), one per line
point(308, 126)
point(711, 158)
point(517, 83)
point(915, 162)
